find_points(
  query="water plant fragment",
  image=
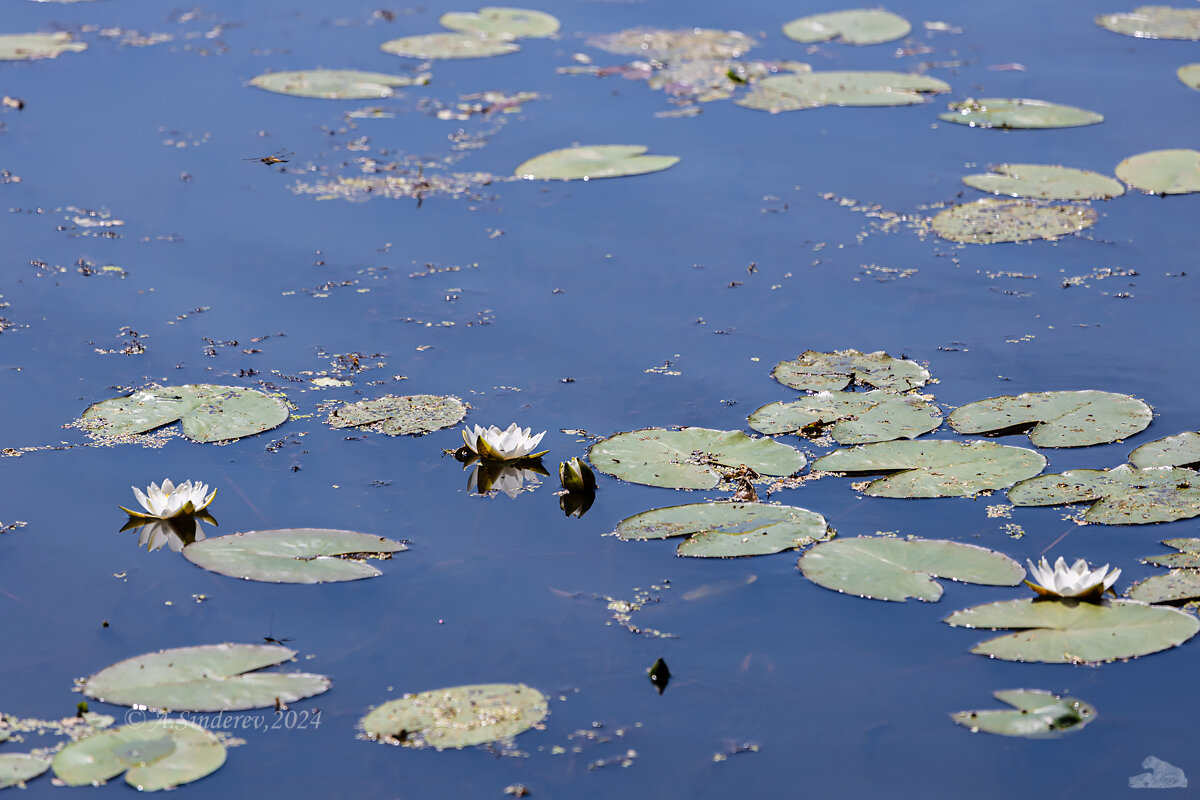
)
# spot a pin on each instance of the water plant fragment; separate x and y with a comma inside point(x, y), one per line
point(993, 220)
point(897, 569)
point(29, 46)
point(1075, 632)
point(1124, 495)
point(214, 677)
point(935, 468)
point(209, 413)
point(510, 23)
point(409, 415)
point(1012, 112)
point(726, 530)
point(852, 417)
point(1162, 172)
point(1035, 714)
point(1046, 182)
point(16, 768)
point(1056, 419)
point(154, 755)
point(824, 372)
point(1154, 22)
point(1180, 450)
point(593, 161)
point(449, 45)
point(457, 717)
point(293, 555)
point(800, 90)
point(856, 26)
point(690, 458)
point(334, 84)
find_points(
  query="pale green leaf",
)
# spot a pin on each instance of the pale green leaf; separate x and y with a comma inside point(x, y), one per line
point(725, 530)
point(852, 417)
point(457, 717)
point(1056, 419)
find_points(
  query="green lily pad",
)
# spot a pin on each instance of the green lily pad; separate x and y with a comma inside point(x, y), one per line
point(214, 677)
point(154, 755)
point(897, 569)
point(1170, 588)
point(827, 372)
point(449, 45)
point(1154, 22)
point(801, 90)
point(1188, 555)
point(1046, 182)
point(1036, 715)
point(993, 220)
point(1010, 112)
point(1124, 495)
point(594, 161)
point(28, 46)
point(509, 23)
point(856, 417)
point(1180, 450)
point(1056, 419)
point(1190, 75)
point(16, 768)
point(858, 26)
point(461, 716)
point(334, 84)
point(1162, 171)
point(689, 458)
point(935, 468)
point(294, 555)
point(411, 415)
point(210, 413)
point(1074, 632)
point(725, 530)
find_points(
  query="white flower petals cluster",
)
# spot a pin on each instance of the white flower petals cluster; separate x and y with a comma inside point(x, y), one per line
point(169, 501)
point(510, 444)
point(1077, 580)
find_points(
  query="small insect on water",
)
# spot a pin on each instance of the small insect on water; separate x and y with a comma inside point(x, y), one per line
point(278, 157)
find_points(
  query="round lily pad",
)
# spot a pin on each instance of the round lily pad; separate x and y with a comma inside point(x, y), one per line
point(1124, 495)
point(294, 555)
point(897, 569)
point(1035, 715)
point(411, 415)
point(156, 754)
point(214, 677)
point(993, 220)
point(1154, 22)
point(1190, 75)
point(1011, 112)
point(1056, 419)
point(1046, 182)
point(1074, 632)
point(16, 768)
point(724, 530)
point(449, 45)
point(28, 46)
point(858, 26)
point(935, 468)
point(800, 90)
point(210, 413)
point(824, 372)
point(1162, 172)
point(461, 716)
point(1188, 555)
point(510, 23)
point(1180, 450)
point(690, 44)
point(1170, 588)
point(593, 161)
point(334, 84)
point(855, 417)
point(689, 458)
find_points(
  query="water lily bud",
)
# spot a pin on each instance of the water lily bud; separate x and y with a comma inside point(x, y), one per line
point(576, 476)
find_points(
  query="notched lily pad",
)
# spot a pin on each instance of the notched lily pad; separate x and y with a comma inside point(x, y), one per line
point(1056, 419)
point(461, 716)
point(826, 372)
point(993, 220)
point(857, 26)
point(210, 413)
point(511, 23)
point(1012, 112)
point(1046, 182)
point(935, 468)
point(215, 677)
point(154, 755)
point(1124, 495)
point(1162, 172)
point(449, 45)
point(29, 46)
point(16, 768)
point(897, 569)
point(593, 161)
point(800, 90)
point(690, 458)
point(1180, 450)
point(335, 84)
point(1035, 715)
point(1173, 587)
point(1154, 22)
point(1075, 632)
point(294, 555)
point(852, 417)
point(410, 415)
point(1187, 557)
point(725, 530)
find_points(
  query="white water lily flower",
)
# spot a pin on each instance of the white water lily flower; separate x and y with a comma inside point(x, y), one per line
point(1077, 580)
point(510, 444)
point(170, 501)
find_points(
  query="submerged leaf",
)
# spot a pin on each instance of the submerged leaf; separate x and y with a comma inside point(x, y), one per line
point(1154, 22)
point(1170, 588)
point(858, 26)
point(1011, 112)
point(1036, 715)
point(449, 45)
point(1125, 495)
point(457, 717)
point(1046, 182)
point(294, 555)
point(726, 530)
point(210, 413)
point(594, 161)
point(1162, 171)
point(334, 84)
point(410, 415)
point(28, 46)
point(801, 90)
point(511, 23)
point(158, 754)
point(1058, 419)
point(16, 768)
point(855, 417)
point(1180, 450)
point(822, 372)
point(992, 220)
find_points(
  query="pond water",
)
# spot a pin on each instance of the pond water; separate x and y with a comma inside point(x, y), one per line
point(601, 306)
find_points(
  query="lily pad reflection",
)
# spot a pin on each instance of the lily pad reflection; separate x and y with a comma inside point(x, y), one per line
point(1035, 715)
point(461, 716)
